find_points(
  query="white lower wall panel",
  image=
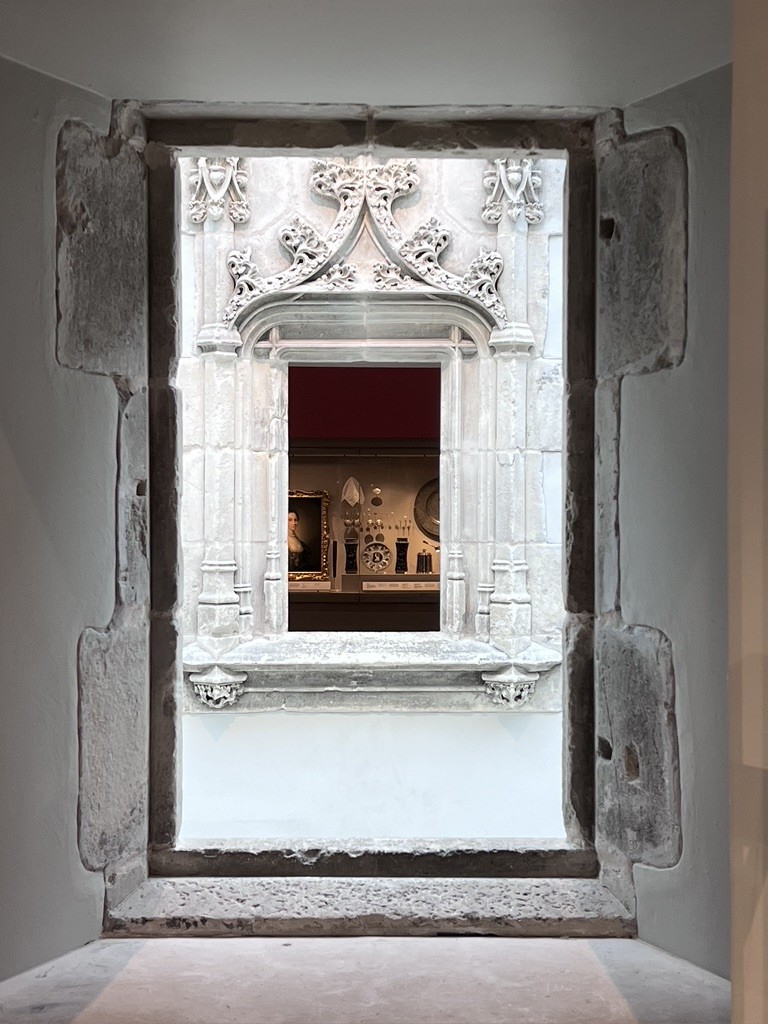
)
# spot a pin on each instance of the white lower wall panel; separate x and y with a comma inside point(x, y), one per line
point(383, 776)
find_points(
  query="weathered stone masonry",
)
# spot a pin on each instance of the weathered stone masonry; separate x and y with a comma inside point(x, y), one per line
point(103, 328)
point(102, 303)
point(641, 327)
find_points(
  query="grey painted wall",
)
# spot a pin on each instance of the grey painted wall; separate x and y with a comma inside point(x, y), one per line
point(672, 510)
point(57, 466)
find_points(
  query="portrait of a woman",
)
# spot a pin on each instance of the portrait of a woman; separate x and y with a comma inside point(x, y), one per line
point(308, 535)
point(299, 553)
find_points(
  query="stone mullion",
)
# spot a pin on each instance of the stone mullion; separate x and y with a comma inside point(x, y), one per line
point(510, 602)
point(451, 459)
point(486, 496)
point(243, 498)
point(218, 603)
point(276, 575)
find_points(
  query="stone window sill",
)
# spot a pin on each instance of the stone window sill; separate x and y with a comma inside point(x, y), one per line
point(348, 672)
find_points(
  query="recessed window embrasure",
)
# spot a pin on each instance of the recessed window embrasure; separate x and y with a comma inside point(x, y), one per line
point(371, 374)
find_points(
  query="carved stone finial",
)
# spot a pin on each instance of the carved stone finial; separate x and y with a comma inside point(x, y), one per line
point(514, 184)
point(216, 180)
point(217, 688)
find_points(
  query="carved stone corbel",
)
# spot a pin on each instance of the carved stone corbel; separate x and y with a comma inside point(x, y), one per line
point(515, 686)
point(216, 687)
point(511, 687)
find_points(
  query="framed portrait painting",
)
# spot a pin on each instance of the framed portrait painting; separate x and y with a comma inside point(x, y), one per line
point(308, 535)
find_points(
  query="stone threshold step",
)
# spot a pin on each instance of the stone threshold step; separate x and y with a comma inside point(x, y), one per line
point(438, 858)
point(370, 906)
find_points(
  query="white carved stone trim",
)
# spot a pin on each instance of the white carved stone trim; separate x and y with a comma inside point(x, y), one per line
point(218, 338)
point(216, 687)
point(513, 184)
point(217, 184)
point(537, 659)
point(396, 303)
point(341, 275)
point(389, 277)
point(412, 261)
point(355, 672)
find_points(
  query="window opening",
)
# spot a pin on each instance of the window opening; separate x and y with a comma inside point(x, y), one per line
point(363, 500)
point(452, 266)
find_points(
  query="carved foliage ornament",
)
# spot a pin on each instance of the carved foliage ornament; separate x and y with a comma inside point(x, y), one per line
point(514, 184)
point(217, 688)
point(513, 693)
point(219, 183)
point(412, 261)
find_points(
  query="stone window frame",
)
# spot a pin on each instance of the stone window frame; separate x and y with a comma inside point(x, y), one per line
point(403, 132)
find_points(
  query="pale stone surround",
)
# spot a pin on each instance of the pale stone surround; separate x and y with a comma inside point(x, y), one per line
point(495, 331)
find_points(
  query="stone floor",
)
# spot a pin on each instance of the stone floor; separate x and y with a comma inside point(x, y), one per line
point(361, 980)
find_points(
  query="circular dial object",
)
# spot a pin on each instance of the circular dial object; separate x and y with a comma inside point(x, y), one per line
point(376, 556)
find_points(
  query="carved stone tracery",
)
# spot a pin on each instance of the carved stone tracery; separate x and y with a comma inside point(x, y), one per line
point(413, 261)
point(216, 181)
point(514, 184)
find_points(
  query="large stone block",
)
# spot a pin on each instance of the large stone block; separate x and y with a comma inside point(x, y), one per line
point(642, 252)
point(578, 501)
point(102, 252)
point(637, 774)
point(545, 405)
point(578, 728)
point(113, 670)
point(545, 584)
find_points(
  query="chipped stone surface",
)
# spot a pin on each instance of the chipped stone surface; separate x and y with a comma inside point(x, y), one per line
point(114, 727)
point(368, 906)
point(394, 858)
point(607, 440)
point(642, 252)
point(578, 473)
point(579, 740)
point(113, 670)
point(102, 276)
point(638, 774)
point(641, 328)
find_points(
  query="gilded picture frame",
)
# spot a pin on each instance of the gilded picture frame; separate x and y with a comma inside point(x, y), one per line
point(308, 535)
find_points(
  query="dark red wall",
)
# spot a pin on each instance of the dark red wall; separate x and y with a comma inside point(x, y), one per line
point(363, 402)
